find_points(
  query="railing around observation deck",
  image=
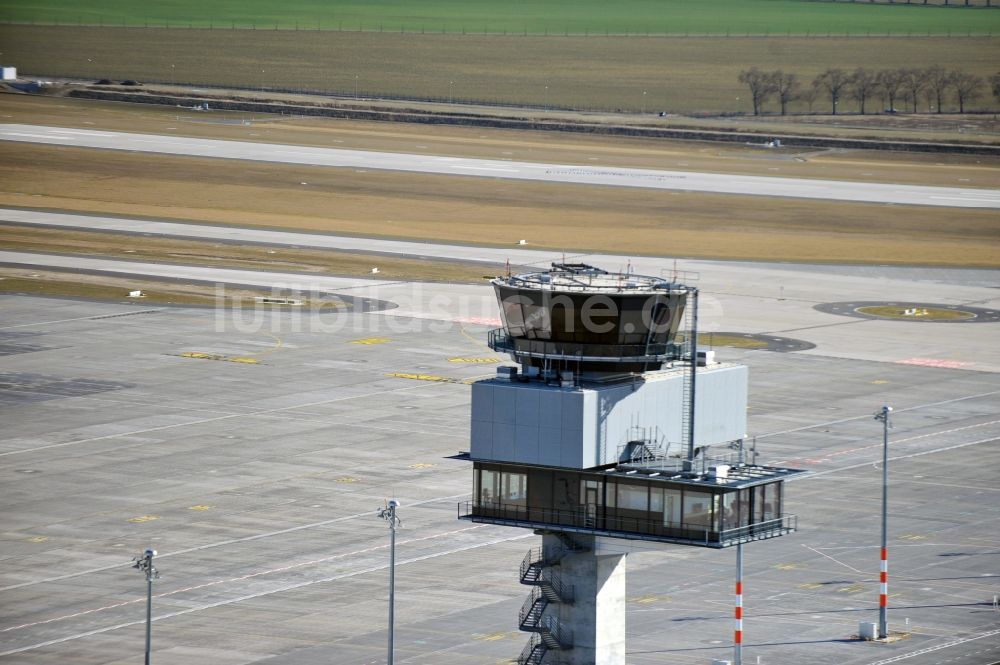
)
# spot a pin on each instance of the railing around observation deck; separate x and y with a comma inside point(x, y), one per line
point(500, 341)
point(584, 521)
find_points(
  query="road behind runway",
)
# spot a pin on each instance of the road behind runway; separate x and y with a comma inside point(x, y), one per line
point(539, 172)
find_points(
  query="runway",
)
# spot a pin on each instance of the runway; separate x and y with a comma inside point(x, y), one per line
point(954, 197)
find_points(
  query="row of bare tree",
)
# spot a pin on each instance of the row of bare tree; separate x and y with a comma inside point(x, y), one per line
point(935, 84)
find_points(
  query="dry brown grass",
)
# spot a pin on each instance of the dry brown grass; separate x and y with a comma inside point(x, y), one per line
point(494, 212)
point(230, 255)
point(23, 281)
point(678, 74)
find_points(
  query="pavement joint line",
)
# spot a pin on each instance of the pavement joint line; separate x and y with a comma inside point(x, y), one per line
point(866, 416)
point(231, 601)
point(230, 541)
point(847, 451)
point(240, 578)
point(938, 647)
point(814, 474)
point(216, 419)
point(860, 572)
point(43, 323)
point(821, 325)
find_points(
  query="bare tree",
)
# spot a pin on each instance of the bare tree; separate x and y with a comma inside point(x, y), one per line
point(834, 82)
point(967, 87)
point(995, 84)
point(938, 82)
point(890, 81)
point(809, 95)
point(761, 86)
point(912, 81)
point(863, 84)
point(786, 87)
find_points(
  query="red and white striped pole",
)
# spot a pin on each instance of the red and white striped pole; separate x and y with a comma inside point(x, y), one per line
point(883, 592)
point(738, 637)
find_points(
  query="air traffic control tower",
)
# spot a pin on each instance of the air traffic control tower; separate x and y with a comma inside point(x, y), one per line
point(602, 437)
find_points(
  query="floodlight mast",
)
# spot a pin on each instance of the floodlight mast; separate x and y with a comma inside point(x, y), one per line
point(388, 513)
point(882, 416)
point(144, 563)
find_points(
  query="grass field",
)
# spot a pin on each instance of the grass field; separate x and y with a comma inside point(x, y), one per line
point(650, 74)
point(524, 16)
point(231, 255)
point(24, 281)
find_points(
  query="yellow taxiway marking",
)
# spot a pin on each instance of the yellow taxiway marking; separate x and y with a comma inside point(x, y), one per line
point(878, 382)
point(646, 600)
point(912, 536)
point(421, 465)
point(478, 341)
point(346, 479)
point(470, 361)
point(368, 341)
point(429, 377)
point(37, 539)
point(215, 356)
point(810, 585)
point(492, 637)
point(200, 507)
point(853, 588)
point(787, 566)
point(144, 518)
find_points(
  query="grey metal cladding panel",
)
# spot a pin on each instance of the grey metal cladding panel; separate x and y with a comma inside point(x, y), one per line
point(576, 449)
point(482, 400)
point(721, 405)
point(526, 443)
point(505, 403)
point(503, 442)
point(550, 407)
point(550, 445)
point(573, 405)
point(481, 439)
point(526, 401)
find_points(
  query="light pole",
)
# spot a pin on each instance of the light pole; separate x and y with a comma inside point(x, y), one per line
point(451, 97)
point(144, 562)
point(882, 416)
point(388, 513)
point(644, 102)
point(355, 87)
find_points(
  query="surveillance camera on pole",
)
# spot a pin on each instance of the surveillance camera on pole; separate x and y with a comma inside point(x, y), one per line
point(388, 513)
point(144, 562)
